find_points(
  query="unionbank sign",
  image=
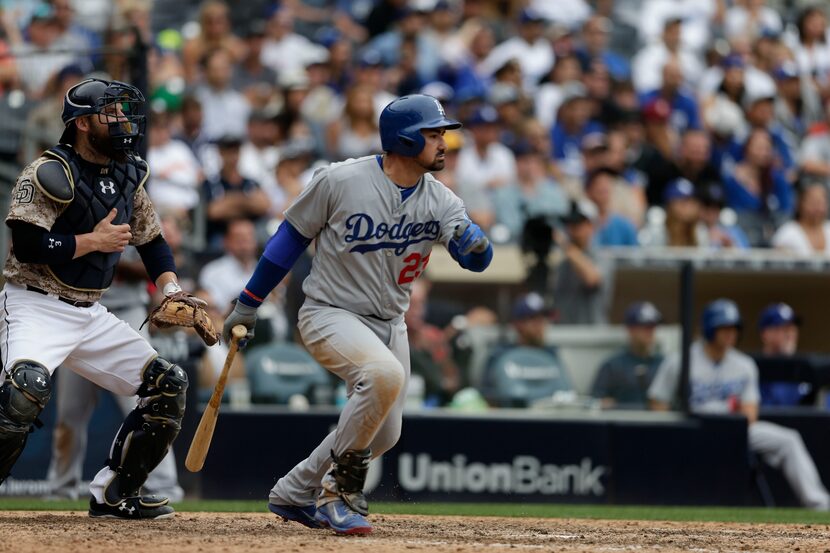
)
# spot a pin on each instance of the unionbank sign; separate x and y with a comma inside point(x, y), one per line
point(524, 475)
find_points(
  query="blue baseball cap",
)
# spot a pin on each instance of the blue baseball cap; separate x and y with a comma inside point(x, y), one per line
point(778, 314)
point(733, 60)
point(643, 313)
point(483, 115)
point(529, 305)
point(787, 70)
point(678, 189)
point(531, 15)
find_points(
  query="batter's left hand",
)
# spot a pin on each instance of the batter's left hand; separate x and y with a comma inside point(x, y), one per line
point(470, 238)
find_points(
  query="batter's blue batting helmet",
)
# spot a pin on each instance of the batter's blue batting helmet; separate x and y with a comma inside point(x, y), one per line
point(402, 120)
point(718, 314)
point(98, 96)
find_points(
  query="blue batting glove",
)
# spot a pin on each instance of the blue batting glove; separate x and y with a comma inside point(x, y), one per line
point(470, 238)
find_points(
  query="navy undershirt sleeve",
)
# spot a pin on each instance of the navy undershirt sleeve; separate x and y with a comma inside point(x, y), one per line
point(157, 257)
point(281, 252)
point(33, 244)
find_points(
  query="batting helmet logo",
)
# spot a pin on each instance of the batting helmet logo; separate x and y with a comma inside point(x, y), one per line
point(403, 119)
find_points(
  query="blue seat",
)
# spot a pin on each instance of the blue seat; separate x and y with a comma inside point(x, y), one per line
point(518, 376)
point(278, 371)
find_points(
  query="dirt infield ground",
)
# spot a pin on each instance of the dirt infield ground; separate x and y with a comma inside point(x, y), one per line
point(73, 532)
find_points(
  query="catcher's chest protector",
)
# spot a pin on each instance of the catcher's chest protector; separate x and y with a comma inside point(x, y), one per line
point(97, 191)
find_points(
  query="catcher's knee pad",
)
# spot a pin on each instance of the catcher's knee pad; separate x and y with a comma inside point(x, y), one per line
point(349, 471)
point(147, 432)
point(23, 395)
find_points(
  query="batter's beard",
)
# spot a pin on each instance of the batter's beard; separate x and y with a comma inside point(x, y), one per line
point(102, 144)
point(436, 165)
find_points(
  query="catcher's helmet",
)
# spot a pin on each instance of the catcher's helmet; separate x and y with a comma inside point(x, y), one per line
point(718, 314)
point(106, 99)
point(402, 120)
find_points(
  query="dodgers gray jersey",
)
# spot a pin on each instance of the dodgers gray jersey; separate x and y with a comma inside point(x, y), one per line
point(371, 245)
point(712, 385)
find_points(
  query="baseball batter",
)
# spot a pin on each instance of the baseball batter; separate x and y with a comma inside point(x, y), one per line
point(73, 211)
point(724, 380)
point(375, 220)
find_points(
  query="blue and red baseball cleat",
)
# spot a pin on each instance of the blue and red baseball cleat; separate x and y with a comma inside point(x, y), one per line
point(343, 520)
point(303, 515)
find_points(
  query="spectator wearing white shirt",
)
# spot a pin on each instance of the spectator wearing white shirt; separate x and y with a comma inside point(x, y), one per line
point(532, 50)
point(811, 47)
point(809, 233)
point(697, 18)
point(484, 164)
point(285, 50)
point(175, 175)
point(649, 62)
point(224, 277)
point(259, 155)
point(224, 110)
point(750, 18)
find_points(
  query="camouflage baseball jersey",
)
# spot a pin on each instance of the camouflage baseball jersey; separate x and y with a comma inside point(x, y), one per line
point(31, 205)
point(370, 244)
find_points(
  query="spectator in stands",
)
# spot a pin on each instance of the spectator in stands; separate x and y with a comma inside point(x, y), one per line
point(758, 190)
point(294, 85)
point(751, 18)
point(682, 227)
point(250, 76)
point(484, 165)
point(573, 122)
point(623, 379)
point(659, 133)
point(612, 229)
point(814, 153)
point(721, 230)
point(532, 194)
point(647, 64)
point(73, 35)
point(724, 380)
point(214, 34)
point(759, 109)
point(175, 174)
point(778, 327)
point(811, 49)
point(222, 278)
point(797, 105)
point(595, 34)
point(39, 55)
point(259, 154)
point(532, 50)
point(292, 172)
point(43, 124)
point(809, 233)
point(409, 34)
point(231, 196)
point(224, 110)
point(551, 92)
point(285, 50)
point(429, 350)
point(684, 112)
point(582, 281)
point(355, 133)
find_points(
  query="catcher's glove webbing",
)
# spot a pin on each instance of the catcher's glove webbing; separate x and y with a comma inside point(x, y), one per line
point(182, 309)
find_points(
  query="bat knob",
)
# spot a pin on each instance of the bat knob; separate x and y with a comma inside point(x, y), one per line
point(238, 332)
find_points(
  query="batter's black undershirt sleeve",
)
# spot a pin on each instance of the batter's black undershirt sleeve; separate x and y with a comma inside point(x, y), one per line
point(157, 257)
point(34, 244)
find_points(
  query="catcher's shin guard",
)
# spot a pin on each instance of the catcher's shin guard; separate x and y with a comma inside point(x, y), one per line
point(347, 477)
point(23, 396)
point(147, 432)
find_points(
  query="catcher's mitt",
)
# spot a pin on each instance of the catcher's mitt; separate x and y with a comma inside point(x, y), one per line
point(182, 309)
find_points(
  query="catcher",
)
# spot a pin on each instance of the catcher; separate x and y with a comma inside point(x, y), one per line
point(72, 213)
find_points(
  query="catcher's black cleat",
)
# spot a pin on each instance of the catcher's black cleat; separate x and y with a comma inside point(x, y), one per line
point(144, 507)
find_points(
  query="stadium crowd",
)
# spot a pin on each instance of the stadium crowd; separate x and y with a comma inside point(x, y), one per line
point(587, 124)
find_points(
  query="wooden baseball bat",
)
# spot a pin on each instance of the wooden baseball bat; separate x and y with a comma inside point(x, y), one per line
point(204, 433)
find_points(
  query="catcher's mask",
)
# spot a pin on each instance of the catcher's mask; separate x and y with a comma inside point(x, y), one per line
point(116, 104)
